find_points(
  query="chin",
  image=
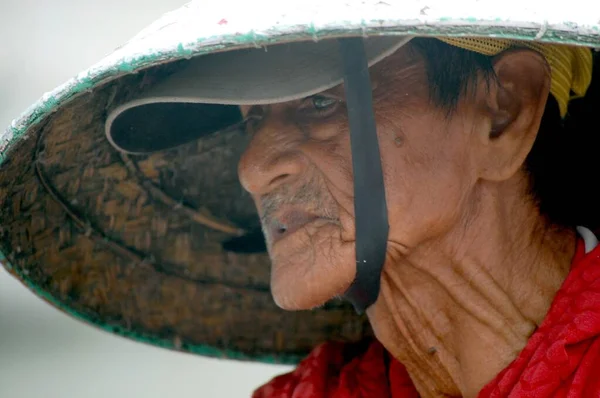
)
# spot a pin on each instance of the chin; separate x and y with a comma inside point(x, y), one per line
point(311, 267)
point(294, 291)
point(292, 294)
point(293, 302)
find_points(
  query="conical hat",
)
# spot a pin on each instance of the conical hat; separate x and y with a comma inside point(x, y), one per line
point(160, 243)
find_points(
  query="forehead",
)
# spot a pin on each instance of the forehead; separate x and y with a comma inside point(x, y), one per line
point(405, 64)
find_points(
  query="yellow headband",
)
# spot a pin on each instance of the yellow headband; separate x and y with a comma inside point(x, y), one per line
point(571, 66)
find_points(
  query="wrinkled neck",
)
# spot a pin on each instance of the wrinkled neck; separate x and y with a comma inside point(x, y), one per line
point(460, 307)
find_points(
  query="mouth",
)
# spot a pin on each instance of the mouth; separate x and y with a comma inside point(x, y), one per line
point(277, 228)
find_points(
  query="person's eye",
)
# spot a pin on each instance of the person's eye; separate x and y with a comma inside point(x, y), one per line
point(320, 102)
point(319, 106)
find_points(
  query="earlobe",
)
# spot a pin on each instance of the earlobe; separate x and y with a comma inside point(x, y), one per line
point(516, 101)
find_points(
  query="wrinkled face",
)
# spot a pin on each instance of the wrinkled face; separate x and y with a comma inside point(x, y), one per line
point(298, 170)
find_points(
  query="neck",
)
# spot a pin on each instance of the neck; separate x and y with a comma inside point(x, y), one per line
point(460, 307)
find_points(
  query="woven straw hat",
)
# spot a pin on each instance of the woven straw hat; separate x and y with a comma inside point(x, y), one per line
point(146, 232)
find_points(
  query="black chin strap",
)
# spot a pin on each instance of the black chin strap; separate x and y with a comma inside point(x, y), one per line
point(370, 207)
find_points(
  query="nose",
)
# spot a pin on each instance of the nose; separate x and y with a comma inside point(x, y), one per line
point(273, 157)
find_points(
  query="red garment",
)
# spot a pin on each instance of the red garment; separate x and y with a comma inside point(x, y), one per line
point(561, 359)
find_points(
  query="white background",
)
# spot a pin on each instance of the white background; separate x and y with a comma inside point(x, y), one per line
point(44, 353)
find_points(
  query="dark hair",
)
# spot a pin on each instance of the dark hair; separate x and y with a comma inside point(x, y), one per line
point(563, 163)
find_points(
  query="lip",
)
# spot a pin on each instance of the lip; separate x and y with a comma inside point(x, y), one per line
point(280, 227)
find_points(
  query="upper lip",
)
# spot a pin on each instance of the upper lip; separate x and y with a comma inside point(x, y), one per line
point(287, 222)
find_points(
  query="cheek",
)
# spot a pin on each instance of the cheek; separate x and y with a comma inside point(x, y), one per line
point(426, 184)
point(332, 160)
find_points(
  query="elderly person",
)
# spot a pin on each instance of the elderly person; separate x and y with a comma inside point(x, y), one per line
point(441, 185)
point(482, 281)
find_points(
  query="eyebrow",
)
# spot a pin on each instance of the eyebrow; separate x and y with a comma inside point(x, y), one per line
point(340, 92)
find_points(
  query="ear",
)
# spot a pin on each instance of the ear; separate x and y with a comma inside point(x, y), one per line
point(515, 104)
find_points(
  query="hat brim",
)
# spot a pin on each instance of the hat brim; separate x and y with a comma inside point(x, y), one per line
point(154, 121)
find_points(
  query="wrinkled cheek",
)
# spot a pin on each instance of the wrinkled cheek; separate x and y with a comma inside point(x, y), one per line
point(422, 205)
point(312, 269)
